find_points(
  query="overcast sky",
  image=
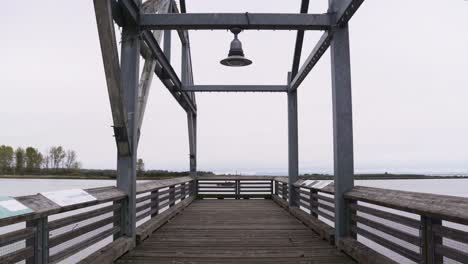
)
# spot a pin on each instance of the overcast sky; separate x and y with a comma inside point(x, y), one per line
point(409, 77)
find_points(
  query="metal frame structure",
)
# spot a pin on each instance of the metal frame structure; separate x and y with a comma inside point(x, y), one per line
point(143, 25)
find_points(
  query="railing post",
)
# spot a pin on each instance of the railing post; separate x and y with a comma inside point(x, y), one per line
point(276, 187)
point(119, 217)
point(430, 240)
point(352, 218)
point(155, 203)
point(171, 195)
point(285, 191)
point(40, 241)
point(314, 203)
point(194, 187)
point(182, 191)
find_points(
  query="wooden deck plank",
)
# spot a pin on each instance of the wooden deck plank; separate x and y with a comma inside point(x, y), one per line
point(234, 231)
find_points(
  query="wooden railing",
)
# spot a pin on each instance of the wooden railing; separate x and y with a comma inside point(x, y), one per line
point(407, 226)
point(236, 187)
point(52, 233)
point(420, 227)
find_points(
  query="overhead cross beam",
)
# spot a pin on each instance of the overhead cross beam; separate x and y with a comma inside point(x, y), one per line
point(235, 88)
point(242, 20)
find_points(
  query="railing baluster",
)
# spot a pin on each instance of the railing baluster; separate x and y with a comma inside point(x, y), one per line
point(182, 191)
point(155, 203)
point(171, 195)
point(314, 203)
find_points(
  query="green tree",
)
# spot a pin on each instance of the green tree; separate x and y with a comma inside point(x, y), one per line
point(57, 156)
point(19, 160)
point(140, 167)
point(71, 160)
point(6, 159)
point(33, 159)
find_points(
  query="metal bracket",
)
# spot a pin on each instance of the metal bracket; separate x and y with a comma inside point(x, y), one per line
point(121, 138)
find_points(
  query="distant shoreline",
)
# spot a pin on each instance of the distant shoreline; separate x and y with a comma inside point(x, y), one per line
point(306, 176)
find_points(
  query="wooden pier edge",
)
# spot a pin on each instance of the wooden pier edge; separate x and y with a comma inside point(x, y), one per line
point(119, 247)
point(351, 247)
point(146, 229)
point(111, 252)
point(362, 253)
point(325, 231)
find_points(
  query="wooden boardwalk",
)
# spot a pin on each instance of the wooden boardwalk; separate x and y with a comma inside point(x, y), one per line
point(234, 231)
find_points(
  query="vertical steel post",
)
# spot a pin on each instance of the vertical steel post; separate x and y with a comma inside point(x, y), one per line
point(191, 117)
point(126, 165)
point(293, 164)
point(342, 124)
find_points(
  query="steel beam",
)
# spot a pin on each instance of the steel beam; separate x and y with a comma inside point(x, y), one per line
point(344, 10)
point(167, 74)
point(130, 12)
point(299, 41)
point(242, 20)
point(191, 121)
point(110, 57)
point(313, 58)
point(235, 88)
point(342, 129)
point(126, 165)
point(293, 153)
point(160, 6)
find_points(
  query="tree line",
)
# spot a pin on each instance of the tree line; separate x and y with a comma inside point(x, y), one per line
point(31, 161)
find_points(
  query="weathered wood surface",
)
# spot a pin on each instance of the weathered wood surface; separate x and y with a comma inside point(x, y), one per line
point(109, 253)
point(325, 231)
point(236, 177)
point(234, 231)
point(153, 185)
point(444, 207)
point(42, 206)
point(362, 253)
point(146, 229)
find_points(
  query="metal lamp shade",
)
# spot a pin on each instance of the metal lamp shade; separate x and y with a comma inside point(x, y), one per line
point(236, 55)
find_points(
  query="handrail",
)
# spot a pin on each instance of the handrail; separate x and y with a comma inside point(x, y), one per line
point(416, 226)
point(236, 187)
point(407, 220)
point(54, 233)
